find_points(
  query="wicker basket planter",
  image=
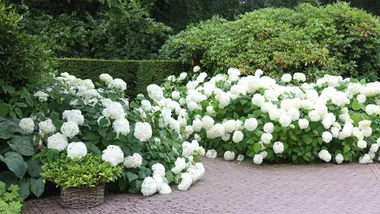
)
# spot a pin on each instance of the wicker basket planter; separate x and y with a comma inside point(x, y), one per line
point(78, 198)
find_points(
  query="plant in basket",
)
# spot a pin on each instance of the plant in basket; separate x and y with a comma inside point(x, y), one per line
point(82, 176)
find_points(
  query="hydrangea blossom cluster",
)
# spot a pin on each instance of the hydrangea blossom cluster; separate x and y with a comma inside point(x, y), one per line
point(268, 119)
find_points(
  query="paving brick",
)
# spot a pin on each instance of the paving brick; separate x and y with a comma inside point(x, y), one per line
point(230, 187)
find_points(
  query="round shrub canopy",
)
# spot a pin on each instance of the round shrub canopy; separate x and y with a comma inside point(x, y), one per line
point(335, 39)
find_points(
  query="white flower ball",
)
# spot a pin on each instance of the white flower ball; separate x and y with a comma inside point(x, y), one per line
point(118, 84)
point(264, 154)
point(240, 157)
point(133, 161)
point(237, 136)
point(250, 124)
point(207, 122)
point(299, 77)
point(365, 159)
point(179, 165)
point(196, 69)
point(106, 78)
point(314, 116)
point(186, 182)
point(258, 100)
point(258, 159)
point(211, 154)
point(229, 155)
point(121, 126)
point(42, 96)
point(146, 105)
point(268, 127)
point(286, 78)
point(182, 76)
point(149, 186)
point(374, 147)
point(278, 147)
point(362, 144)
point(266, 138)
point(327, 137)
point(57, 141)
point(303, 123)
point(143, 131)
point(226, 137)
point(158, 169)
point(361, 98)
point(76, 150)
point(27, 125)
point(339, 158)
point(372, 109)
point(155, 92)
point(285, 120)
point(70, 129)
point(113, 155)
point(47, 126)
point(176, 95)
point(324, 155)
point(165, 189)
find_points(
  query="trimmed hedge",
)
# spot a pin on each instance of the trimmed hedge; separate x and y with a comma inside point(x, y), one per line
point(138, 74)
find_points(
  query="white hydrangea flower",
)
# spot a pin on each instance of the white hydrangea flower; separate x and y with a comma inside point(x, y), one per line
point(226, 137)
point(374, 147)
point(118, 84)
point(197, 137)
point(224, 100)
point(268, 127)
point(240, 157)
point(143, 131)
point(114, 111)
point(365, 159)
point(250, 124)
point(76, 150)
point(196, 171)
point(362, 144)
point(259, 72)
point(47, 126)
point(186, 182)
point(361, 98)
point(121, 126)
point(196, 69)
point(286, 78)
point(207, 122)
point(27, 125)
point(133, 161)
point(70, 129)
point(237, 137)
point(258, 159)
point(229, 155)
point(211, 154)
point(327, 137)
point(278, 147)
point(158, 169)
point(285, 120)
point(145, 104)
point(339, 158)
point(372, 109)
point(165, 189)
point(106, 78)
point(57, 141)
point(314, 116)
point(74, 115)
point(188, 148)
point(179, 165)
point(258, 100)
point(325, 155)
point(155, 92)
point(149, 186)
point(176, 95)
point(303, 123)
point(217, 130)
point(266, 138)
point(113, 155)
point(299, 77)
point(41, 96)
point(159, 181)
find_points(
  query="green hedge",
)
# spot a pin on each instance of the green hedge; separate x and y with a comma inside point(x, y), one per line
point(138, 74)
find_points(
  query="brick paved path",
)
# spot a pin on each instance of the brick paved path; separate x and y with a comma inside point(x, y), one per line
point(230, 187)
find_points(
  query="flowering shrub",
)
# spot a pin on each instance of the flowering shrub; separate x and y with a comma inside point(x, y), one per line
point(77, 117)
point(269, 120)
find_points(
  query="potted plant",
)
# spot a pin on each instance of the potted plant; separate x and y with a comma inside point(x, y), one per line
point(82, 180)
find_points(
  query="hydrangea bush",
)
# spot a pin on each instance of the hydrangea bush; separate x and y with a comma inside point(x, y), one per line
point(276, 120)
point(77, 117)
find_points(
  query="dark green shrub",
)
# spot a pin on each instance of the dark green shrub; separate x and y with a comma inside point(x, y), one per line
point(137, 74)
point(125, 32)
point(22, 57)
point(336, 39)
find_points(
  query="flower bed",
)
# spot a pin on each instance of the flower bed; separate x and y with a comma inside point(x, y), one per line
point(280, 120)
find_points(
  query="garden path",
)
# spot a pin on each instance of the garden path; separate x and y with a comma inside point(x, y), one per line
point(232, 187)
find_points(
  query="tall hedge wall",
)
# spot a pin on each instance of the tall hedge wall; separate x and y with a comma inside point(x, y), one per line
point(138, 74)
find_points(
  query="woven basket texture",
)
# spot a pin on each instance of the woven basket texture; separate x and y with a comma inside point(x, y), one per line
point(80, 198)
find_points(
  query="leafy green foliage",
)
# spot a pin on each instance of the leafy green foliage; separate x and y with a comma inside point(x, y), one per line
point(122, 32)
point(335, 39)
point(22, 58)
point(87, 172)
point(137, 74)
point(10, 200)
